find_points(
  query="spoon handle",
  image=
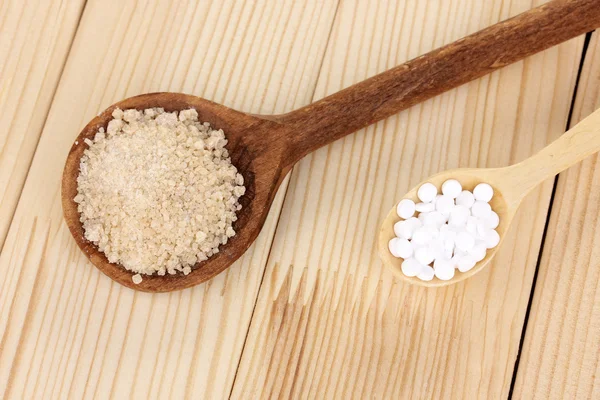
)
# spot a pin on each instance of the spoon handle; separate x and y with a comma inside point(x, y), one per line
point(471, 57)
point(577, 143)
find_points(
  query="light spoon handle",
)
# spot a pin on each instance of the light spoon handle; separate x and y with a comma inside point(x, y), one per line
point(577, 143)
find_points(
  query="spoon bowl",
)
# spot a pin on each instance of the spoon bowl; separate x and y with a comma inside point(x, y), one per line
point(469, 178)
point(261, 166)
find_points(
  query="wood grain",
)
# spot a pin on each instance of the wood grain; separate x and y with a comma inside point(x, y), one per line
point(560, 358)
point(330, 322)
point(65, 329)
point(34, 43)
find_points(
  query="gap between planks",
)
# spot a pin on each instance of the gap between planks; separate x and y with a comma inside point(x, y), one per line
point(584, 50)
point(52, 91)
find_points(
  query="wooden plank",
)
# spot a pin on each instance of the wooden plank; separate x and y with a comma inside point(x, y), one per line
point(34, 43)
point(560, 357)
point(330, 322)
point(65, 329)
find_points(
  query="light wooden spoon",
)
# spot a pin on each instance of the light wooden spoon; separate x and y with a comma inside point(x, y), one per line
point(264, 148)
point(511, 184)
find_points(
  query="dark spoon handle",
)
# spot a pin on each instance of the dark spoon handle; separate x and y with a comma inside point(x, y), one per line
point(448, 67)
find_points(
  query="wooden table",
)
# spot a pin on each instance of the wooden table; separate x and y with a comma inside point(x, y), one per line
point(308, 312)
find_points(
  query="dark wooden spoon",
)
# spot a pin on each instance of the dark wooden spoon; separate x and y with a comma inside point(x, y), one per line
point(264, 148)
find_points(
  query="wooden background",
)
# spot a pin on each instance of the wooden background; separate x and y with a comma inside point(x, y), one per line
point(308, 312)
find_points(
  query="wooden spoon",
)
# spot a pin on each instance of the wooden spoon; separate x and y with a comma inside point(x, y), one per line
point(264, 148)
point(511, 184)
